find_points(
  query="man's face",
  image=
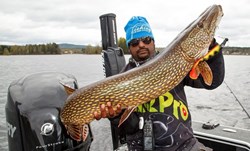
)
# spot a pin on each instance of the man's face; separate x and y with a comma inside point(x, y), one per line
point(141, 49)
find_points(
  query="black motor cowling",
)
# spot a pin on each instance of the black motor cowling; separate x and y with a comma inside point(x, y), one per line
point(32, 114)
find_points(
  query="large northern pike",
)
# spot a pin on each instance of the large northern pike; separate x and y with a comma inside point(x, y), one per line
point(146, 82)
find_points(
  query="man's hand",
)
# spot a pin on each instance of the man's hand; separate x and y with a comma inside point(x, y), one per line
point(107, 111)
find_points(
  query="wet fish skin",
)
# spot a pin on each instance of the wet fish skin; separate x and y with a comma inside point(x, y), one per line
point(146, 82)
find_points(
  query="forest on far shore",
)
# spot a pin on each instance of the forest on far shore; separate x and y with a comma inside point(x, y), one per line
point(53, 48)
point(236, 50)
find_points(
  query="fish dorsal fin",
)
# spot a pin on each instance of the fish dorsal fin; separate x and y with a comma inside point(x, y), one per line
point(74, 132)
point(206, 72)
point(69, 90)
point(126, 114)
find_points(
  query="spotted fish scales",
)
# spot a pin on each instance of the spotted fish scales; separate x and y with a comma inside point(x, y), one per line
point(146, 82)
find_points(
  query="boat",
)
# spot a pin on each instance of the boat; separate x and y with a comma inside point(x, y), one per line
point(34, 103)
point(222, 138)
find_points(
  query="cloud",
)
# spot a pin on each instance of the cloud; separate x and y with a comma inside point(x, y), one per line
point(77, 21)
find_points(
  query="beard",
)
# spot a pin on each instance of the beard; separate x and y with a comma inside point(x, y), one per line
point(143, 54)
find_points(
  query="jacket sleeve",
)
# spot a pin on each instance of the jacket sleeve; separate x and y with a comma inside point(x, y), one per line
point(216, 64)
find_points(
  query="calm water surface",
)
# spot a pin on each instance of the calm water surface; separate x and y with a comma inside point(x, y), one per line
point(88, 69)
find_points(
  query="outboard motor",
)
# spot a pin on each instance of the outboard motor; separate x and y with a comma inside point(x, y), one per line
point(32, 114)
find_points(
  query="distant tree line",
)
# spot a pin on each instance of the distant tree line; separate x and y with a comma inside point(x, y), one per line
point(98, 49)
point(122, 44)
point(92, 49)
point(236, 51)
point(51, 48)
point(89, 49)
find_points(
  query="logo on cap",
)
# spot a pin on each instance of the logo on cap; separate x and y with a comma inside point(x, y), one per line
point(141, 28)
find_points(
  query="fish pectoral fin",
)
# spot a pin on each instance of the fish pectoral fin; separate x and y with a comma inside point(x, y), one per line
point(126, 114)
point(194, 73)
point(196, 70)
point(78, 132)
point(69, 90)
point(206, 72)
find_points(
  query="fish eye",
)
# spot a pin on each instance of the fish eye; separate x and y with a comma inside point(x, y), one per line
point(200, 25)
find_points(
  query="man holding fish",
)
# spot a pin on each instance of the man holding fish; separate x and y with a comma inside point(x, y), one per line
point(164, 123)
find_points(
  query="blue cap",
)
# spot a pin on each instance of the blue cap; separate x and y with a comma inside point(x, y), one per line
point(137, 27)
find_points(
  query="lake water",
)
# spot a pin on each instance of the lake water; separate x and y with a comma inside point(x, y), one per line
point(229, 104)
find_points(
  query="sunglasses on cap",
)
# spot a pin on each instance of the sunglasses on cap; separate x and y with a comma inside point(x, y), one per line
point(135, 42)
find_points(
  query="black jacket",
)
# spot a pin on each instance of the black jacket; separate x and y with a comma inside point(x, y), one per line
point(169, 112)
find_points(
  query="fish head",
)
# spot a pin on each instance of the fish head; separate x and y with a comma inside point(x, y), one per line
point(200, 33)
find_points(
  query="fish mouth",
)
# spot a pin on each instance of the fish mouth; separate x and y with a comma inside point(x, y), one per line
point(210, 18)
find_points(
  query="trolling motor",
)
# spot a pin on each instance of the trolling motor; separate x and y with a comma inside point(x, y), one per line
point(113, 58)
point(113, 55)
point(32, 114)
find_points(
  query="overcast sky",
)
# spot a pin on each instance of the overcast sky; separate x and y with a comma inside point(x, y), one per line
point(77, 21)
